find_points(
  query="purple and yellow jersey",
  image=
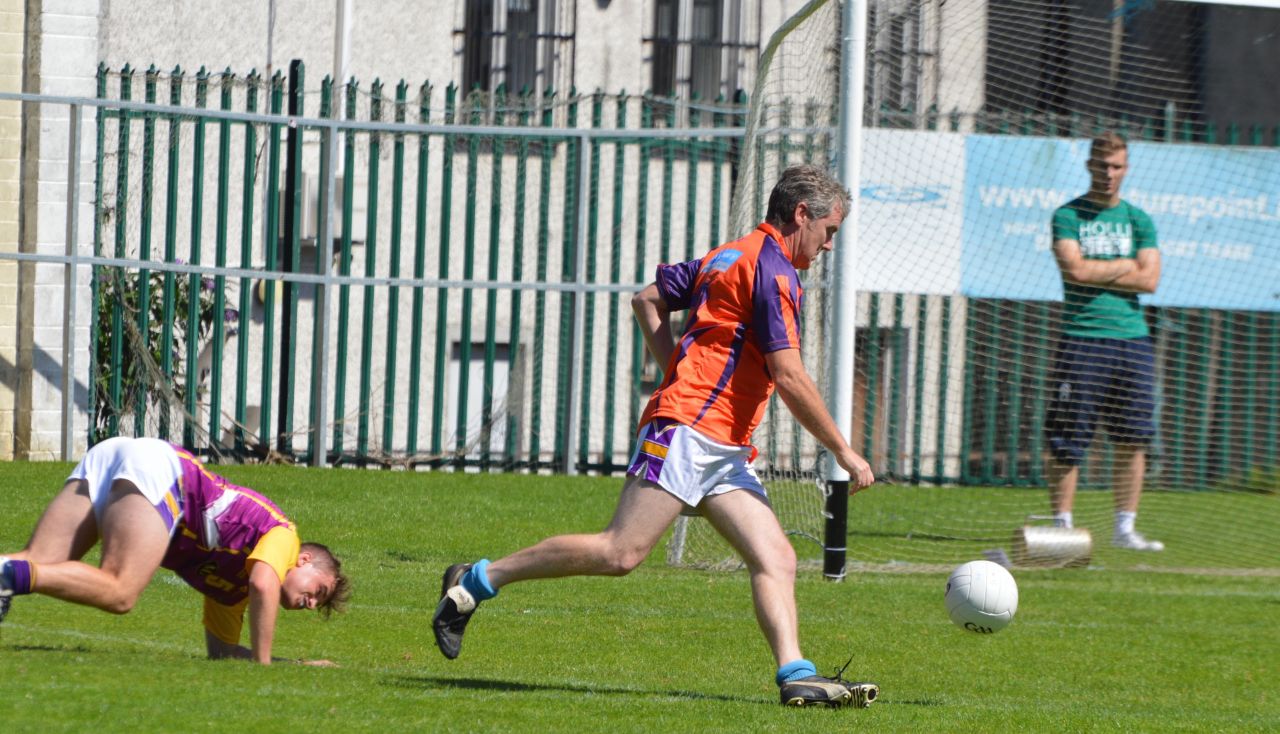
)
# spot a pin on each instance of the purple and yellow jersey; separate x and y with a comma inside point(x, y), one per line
point(224, 529)
point(743, 300)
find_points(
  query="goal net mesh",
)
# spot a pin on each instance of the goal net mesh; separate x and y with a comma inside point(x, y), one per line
point(791, 120)
point(977, 127)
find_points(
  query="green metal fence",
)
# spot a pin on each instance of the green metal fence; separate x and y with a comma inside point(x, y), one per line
point(475, 285)
point(510, 258)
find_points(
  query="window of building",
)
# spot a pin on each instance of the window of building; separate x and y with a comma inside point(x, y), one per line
point(898, 55)
point(524, 45)
point(701, 48)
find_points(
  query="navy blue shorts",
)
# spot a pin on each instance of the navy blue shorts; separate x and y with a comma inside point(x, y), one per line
point(1100, 381)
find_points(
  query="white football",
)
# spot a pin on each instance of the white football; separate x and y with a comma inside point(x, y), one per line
point(981, 597)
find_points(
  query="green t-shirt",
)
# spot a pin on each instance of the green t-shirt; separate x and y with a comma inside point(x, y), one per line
point(1104, 234)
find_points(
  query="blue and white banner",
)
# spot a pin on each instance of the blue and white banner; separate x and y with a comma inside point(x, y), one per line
point(1216, 211)
point(910, 210)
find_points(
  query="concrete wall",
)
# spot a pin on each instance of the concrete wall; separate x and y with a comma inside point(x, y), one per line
point(12, 14)
point(61, 57)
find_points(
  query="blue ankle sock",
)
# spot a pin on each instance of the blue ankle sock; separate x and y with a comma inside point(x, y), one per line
point(476, 581)
point(795, 670)
point(18, 576)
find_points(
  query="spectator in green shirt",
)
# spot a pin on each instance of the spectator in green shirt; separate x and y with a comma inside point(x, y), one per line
point(1104, 368)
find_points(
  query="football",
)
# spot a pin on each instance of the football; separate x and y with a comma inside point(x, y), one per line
point(981, 597)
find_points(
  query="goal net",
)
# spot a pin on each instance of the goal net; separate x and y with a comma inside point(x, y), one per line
point(978, 126)
point(791, 120)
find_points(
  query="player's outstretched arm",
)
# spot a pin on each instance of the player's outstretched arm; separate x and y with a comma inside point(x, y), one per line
point(805, 403)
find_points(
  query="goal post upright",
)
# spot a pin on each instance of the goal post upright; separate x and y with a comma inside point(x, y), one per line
point(844, 284)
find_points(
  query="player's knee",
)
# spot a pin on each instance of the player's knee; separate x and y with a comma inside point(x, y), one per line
point(779, 562)
point(622, 561)
point(120, 603)
point(119, 606)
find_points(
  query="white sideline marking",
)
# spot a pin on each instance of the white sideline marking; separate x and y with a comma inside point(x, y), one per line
point(98, 637)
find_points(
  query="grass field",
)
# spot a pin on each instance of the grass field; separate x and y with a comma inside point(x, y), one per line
point(1104, 649)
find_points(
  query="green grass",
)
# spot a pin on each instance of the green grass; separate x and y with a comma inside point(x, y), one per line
point(1103, 649)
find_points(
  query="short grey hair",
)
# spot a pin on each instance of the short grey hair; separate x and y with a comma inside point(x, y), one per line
point(812, 185)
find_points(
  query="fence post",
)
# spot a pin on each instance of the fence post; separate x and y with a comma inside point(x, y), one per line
point(290, 257)
point(391, 386)
point(170, 240)
point(95, 333)
point(116, 359)
point(324, 264)
point(442, 294)
point(370, 269)
point(517, 272)
point(344, 268)
point(491, 297)
point(144, 241)
point(246, 261)
point(191, 396)
point(270, 218)
point(220, 260)
point(419, 270)
point(585, 156)
point(586, 346)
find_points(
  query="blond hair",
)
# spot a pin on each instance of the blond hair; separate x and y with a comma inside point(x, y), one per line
point(1105, 144)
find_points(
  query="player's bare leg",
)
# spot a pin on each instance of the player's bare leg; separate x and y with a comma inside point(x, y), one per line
point(134, 541)
point(749, 524)
point(643, 514)
point(66, 530)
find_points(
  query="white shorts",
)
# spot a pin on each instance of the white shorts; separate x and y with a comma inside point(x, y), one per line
point(149, 463)
point(691, 466)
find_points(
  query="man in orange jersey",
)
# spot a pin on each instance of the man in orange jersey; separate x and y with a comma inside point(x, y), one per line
point(740, 342)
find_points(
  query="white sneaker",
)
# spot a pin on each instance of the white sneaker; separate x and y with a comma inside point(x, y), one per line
point(1135, 541)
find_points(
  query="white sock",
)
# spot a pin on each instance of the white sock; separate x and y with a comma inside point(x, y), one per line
point(1062, 520)
point(1124, 522)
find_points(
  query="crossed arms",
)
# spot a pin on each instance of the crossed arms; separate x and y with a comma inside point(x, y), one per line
point(1139, 274)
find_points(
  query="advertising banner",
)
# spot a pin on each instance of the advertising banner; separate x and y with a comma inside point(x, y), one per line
point(910, 214)
point(1216, 212)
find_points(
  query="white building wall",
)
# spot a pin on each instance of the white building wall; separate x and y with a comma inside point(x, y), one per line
point(12, 16)
point(61, 56)
point(962, 54)
point(608, 51)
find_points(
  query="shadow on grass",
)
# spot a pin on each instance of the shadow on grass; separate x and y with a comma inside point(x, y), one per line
point(514, 687)
point(79, 649)
point(402, 557)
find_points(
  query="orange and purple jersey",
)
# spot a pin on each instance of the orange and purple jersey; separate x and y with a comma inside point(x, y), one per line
point(744, 301)
point(223, 529)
